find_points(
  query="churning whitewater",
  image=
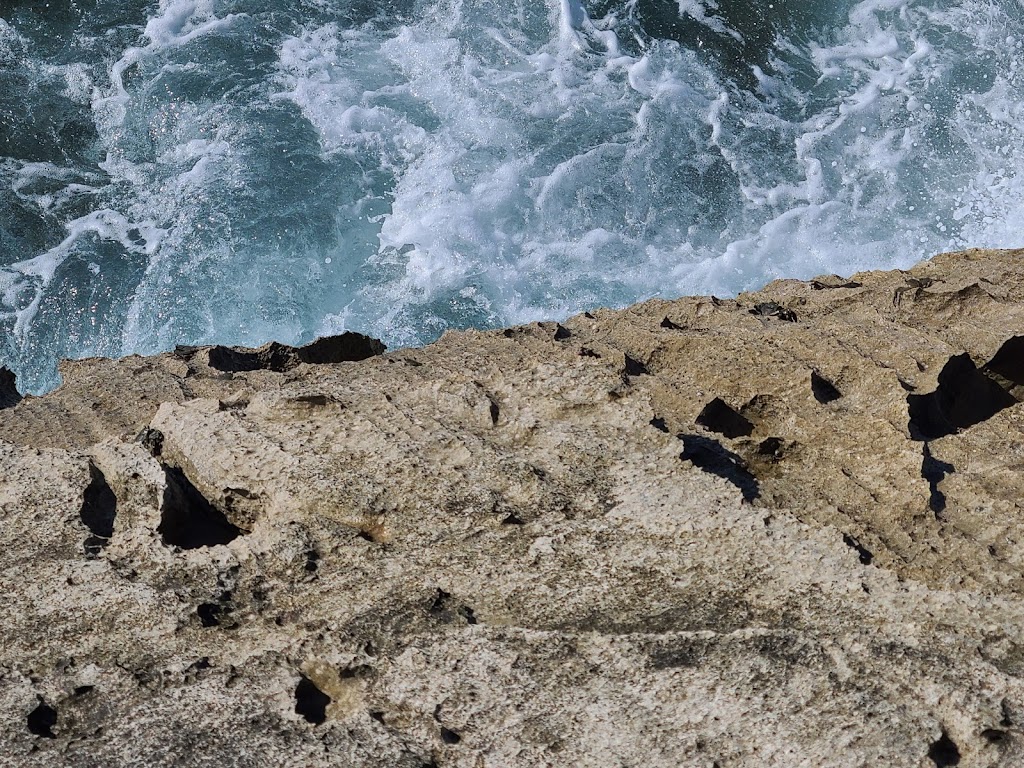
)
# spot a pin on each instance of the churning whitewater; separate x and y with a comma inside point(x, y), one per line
point(233, 171)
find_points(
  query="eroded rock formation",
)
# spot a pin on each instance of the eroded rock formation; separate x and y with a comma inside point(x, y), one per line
point(781, 530)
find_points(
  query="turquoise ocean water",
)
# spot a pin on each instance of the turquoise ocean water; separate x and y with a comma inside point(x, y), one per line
point(234, 171)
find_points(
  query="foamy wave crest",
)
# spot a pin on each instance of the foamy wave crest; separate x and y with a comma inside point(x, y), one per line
point(217, 171)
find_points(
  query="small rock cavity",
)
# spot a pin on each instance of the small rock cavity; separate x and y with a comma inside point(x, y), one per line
point(718, 416)
point(99, 508)
point(449, 736)
point(310, 702)
point(824, 391)
point(944, 752)
point(188, 519)
point(40, 721)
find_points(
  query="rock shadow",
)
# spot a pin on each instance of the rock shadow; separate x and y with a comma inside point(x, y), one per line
point(188, 520)
point(344, 348)
point(967, 395)
point(718, 416)
point(934, 471)
point(712, 457)
point(98, 512)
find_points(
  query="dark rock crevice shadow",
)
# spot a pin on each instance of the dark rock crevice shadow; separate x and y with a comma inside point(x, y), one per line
point(967, 395)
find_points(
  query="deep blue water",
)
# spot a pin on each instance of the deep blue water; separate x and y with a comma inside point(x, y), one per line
point(234, 171)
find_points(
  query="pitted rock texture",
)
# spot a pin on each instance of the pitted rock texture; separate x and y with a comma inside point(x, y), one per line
point(780, 530)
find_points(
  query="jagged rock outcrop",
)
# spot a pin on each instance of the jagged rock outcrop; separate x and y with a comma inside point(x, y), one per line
point(782, 530)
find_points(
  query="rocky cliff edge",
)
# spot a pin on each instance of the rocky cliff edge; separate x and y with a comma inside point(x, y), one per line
point(780, 530)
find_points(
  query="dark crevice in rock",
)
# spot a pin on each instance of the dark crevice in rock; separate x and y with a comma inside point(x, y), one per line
point(964, 397)
point(40, 721)
point(934, 471)
point(188, 520)
point(994, 735)
point(93, 546)
point(863, 552)
point(218, 614)
point(449, 736)
point(659, 424)
point(635, 368)
point(310, 702)
point(944, 752)
point(273, 357)
point(347, 347)
point(312, 561)
point(357, 672)
point(495, 410)
point(824, 391)
point(669, 325)
point(9, 395)
point(440, 601)
point(712, 457)
point(967, 395)
point(209, 614)
point(512, 519)
point(99, 508)
point(772, 448)
point(562, 333)
point(718, 416)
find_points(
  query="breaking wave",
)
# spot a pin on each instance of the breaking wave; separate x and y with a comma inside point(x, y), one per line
point(213, 171)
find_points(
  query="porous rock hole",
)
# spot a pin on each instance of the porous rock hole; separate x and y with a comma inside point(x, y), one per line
point(944, 752)
point(310, 702)
point(99, 509)
point(40, 721)
point(188, 520)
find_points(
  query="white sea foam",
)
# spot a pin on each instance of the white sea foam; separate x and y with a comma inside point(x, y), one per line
point(480, 162)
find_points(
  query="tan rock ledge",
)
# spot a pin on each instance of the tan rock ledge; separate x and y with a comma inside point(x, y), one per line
point(781, 530)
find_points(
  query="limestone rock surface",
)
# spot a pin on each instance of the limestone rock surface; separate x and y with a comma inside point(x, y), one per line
point(785, 529)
